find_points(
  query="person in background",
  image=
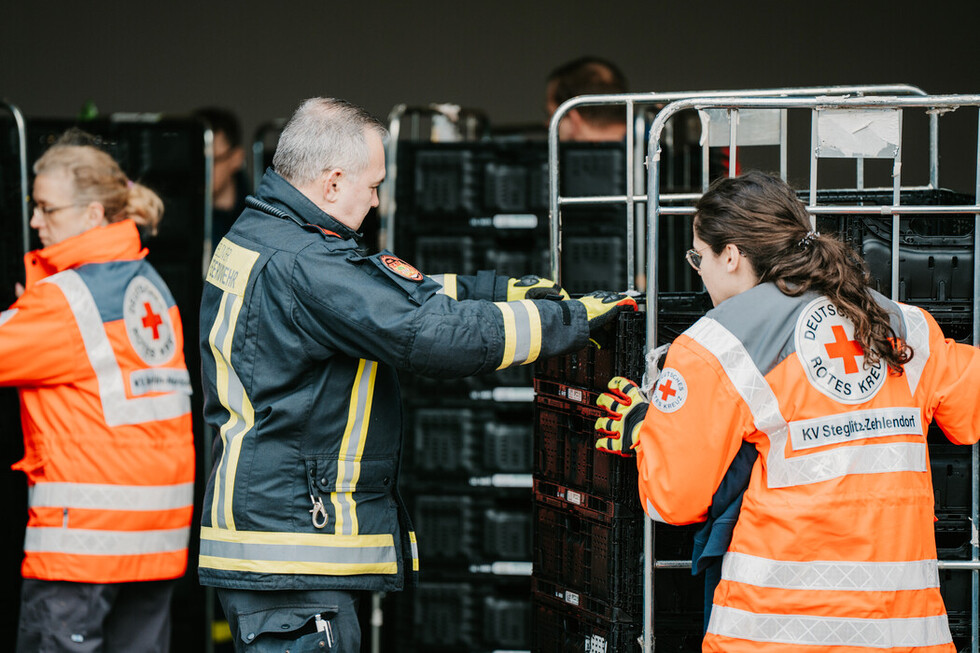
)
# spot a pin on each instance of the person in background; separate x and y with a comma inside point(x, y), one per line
point(825, 529)
point(230, 183)
point(94, 345)
point(587, 75)
point(301, 338)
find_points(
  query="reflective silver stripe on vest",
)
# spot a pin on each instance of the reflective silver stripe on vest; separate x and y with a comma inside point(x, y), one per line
point(811, 467)
point(830, 575)
point(92, 496)
point(91, 542)
point(917, 337)
point(803, 630)
point(117, 409)
point(364, 555)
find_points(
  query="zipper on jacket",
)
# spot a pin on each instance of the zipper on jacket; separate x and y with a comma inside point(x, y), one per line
point(318, 512)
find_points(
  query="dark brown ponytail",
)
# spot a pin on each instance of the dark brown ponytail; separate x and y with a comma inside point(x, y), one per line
point(761, 215)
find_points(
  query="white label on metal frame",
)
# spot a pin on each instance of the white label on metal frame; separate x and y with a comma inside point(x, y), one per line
point(755, 126)
point(852, 133)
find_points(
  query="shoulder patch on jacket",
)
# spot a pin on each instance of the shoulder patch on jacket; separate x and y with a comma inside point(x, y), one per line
point(147, 321)
point(670, 391)
point(401, 268)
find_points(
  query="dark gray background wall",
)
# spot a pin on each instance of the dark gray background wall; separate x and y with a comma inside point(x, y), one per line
point(262, 58)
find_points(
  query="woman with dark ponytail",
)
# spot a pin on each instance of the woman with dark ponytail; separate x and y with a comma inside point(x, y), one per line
point(792, 419)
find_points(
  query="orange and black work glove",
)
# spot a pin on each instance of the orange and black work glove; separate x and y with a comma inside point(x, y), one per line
point(531, 286)
point(602, 306)
point(625, 408)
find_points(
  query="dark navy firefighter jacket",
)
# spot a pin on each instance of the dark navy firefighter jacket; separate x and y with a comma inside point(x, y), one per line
point(301, 337)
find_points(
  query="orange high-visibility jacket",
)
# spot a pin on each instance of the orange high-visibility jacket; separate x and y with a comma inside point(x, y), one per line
point(95, 347)
point(834, 549)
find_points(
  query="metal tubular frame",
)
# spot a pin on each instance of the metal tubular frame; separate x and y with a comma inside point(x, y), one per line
point(22, 155)
point(933, 104)
point(634, 150)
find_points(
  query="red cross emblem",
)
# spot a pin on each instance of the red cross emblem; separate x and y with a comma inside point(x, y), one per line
point(845, 349)
point(152, 321)
point(666, 391)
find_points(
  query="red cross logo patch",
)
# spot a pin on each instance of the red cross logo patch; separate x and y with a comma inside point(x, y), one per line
point(147, 320)
point(670, 391)
point(832, 358)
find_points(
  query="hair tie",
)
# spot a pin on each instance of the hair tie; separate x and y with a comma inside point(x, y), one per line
point(808, 238)
point(129, 183)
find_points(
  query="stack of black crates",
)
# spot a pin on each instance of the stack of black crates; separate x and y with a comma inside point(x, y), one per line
point(587, 581)
point(467, 459)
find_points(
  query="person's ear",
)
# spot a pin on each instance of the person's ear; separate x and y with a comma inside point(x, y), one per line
point(94, 215)
point(733, 257)
point(331, 184)
point(575, 123)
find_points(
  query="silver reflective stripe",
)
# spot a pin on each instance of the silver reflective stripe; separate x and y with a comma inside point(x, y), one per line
point(653, 514)
point(298, 552)
point(917, 337)
point(801, 630)
point(802, 469)
point(91, 542)
point(94, 496)
point(415, 549)
point(830, 575)
point(6, 315)
point(448, 283)
point(352, 445)
point(117, 409)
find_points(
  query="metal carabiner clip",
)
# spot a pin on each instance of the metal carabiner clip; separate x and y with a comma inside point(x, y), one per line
point(318, 509)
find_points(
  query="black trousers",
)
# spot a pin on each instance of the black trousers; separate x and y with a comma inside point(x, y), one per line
point(65, 617)
point(292, 621)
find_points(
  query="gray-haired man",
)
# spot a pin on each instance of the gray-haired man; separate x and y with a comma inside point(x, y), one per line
point(301, 337)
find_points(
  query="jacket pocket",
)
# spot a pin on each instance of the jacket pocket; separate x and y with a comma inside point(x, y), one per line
point(330, 474)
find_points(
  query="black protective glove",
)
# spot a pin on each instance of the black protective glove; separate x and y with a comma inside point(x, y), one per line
point(625, 406)
point(602, 306)
point(531, 286)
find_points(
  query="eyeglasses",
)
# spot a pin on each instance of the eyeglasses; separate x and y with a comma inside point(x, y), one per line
point(693, 257)
point(47, 210)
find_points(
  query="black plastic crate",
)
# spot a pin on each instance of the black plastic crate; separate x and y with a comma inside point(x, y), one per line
point(593, 263)
point(598, 560)
point(462, 442)
point(457, 530)
point(619, 352)
point(953, 533)
point(956, 586)
point(565, 453)
point(563, 628)
point(588, 505)
point(951, 477)
point(447, 181)
point(460, 616)
point(936, 258)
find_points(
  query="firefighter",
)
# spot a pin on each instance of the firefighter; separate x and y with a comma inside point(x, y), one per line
point(94, 346)
point(831, 386)
point(301, 336)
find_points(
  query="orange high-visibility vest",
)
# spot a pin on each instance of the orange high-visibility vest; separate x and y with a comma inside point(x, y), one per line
point(95, 347)
point(834, 549)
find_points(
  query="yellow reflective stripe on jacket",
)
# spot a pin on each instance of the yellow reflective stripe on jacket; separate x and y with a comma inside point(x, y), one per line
point(415, 550)
point(448, 283)
point(352, 448)
point(522, 332)
point(298, 553)
point(230, 268)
